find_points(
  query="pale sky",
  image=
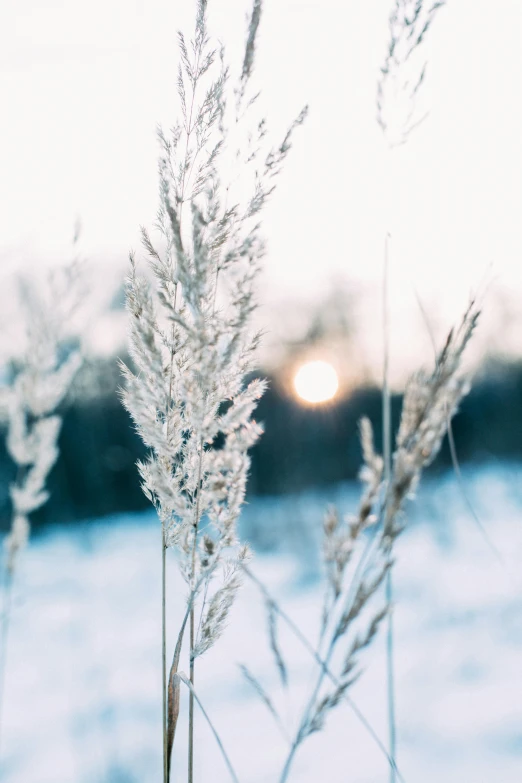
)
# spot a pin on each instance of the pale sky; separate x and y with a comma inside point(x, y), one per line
point(83, 85)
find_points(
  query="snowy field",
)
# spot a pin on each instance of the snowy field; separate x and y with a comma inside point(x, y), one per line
point(82, 699)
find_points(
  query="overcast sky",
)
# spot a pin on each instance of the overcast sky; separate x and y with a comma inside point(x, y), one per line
point(83, 85)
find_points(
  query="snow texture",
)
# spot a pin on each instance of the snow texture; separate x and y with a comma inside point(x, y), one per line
point(82, 698)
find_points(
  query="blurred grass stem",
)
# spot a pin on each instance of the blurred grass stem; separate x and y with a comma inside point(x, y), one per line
point(386, 437)
point(164, 652)
point(321, 663)
point(345, 600)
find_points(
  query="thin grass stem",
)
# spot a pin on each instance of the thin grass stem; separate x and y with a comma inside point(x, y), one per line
point(386, 439)
point(192, 640)
point(347, 603)
point(392, 731)
point(192, 626)
point(454, 456)
point(191, 701)
point(328, 672)
point(173, 685)
point(183, 677)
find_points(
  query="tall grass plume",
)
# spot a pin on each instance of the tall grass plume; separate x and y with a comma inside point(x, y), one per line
point(192, 341)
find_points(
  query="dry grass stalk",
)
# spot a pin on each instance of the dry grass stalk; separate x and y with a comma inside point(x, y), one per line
point(191, 339)
point(430, 402)
point(398, 90)
point(300, 636)
point(182, 677)
point(263, 695)
point(346, 599)
point(365, 540)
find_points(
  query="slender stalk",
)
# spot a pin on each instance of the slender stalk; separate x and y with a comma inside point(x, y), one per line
point(327, 671)
point(218, 344)
point(300, 735)
point(192, 626)
point(189, 685)
point(325, 662)
point(164, 653)
point(166, 749)
point(386, 439)
point(386, 407)
point(454, 455)
point(188, 130)
point(191, 702)
point(173, 686)
point(392, 732)
point(466, 498)
point(300, 732)
point(192, 640)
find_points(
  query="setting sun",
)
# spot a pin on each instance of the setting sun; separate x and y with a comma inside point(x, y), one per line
point(316, 382)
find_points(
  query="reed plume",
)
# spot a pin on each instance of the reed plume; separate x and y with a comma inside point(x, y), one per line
point(358, 548)
point(191, 337)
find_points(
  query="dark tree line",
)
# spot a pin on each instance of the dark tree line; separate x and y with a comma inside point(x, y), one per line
point(302, 446)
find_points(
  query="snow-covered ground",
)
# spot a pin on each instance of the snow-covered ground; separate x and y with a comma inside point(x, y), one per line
point(82, 699)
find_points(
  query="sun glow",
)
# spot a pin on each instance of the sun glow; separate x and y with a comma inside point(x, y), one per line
point(316, 382)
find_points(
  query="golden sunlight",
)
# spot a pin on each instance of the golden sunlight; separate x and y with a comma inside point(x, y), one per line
point(316, 382)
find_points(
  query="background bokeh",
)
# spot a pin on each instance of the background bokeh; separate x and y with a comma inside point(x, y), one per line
point(82, 88)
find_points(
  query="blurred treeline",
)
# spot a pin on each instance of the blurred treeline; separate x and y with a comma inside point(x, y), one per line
point(303, 447)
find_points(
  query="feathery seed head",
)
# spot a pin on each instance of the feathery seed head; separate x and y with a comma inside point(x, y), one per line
point(191, 337)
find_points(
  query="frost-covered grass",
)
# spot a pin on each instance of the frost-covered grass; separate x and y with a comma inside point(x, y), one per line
point(83, 693)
